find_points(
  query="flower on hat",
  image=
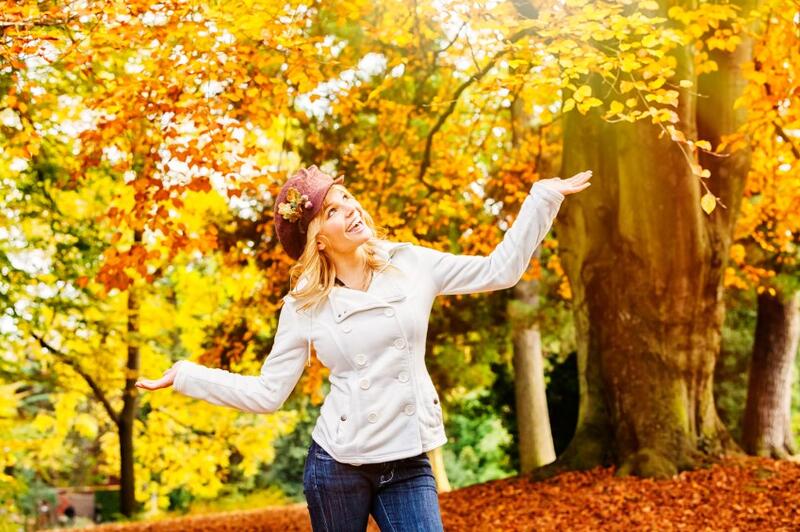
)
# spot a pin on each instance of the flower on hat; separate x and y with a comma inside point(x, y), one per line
point(292, 209)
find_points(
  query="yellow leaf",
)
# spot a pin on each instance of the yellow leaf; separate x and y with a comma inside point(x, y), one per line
point(737, 253)
point(615, 107)
point(677, 135)
point(568, 105)
point(650, 5)
point(583, 107)
point(685, 83)
point(629, 63)
point(703, 145)
point(708, 202)
point(649, 40)
point(625, 86)
point(584, 91)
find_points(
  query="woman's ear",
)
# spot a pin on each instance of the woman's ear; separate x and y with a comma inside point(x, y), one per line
point(320, 245)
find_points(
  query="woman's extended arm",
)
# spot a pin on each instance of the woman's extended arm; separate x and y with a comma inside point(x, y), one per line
point(264, 393)
point(504, 266)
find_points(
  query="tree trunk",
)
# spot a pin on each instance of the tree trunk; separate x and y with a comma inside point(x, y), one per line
point(767, 419)
point(646, 266)
point(439, 472)
point(129, 403)
point(533, 422)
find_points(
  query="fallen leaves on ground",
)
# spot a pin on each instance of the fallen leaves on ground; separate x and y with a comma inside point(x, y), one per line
point(740, 493)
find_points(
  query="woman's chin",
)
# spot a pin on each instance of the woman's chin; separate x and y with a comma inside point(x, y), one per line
point(363, 236)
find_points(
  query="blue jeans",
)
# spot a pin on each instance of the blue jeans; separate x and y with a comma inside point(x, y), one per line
point(400, 494)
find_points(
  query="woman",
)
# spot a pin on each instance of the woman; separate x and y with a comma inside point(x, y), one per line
point(364, 303)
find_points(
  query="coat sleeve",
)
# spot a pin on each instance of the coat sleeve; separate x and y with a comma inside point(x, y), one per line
point(264, 393)
point(504, 266)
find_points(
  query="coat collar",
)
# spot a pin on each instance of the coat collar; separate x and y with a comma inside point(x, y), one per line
point(383, 290)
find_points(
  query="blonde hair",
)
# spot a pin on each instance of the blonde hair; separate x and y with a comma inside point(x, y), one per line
point(319, 269)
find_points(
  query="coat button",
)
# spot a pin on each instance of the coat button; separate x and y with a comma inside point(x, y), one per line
point(346, 328)
point(435, 401)
point(364, 383)
point(389, 311)
point(361, 359)
point(372, 417)
point(399, 343)
point(409, 409)
point(402, 376)
point(343, 418)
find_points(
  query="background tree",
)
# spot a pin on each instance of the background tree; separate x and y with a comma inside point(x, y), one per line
point(765, 255)
point(641, 246)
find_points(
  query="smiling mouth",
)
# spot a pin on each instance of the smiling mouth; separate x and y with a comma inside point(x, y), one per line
point(356, 227)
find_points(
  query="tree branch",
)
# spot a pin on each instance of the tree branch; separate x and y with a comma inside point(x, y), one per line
point(426, 158)
point(786, 138)
point(35, 22)
point(98, 393)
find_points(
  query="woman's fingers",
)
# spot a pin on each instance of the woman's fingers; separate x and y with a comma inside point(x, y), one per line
point(584, 186)
point(166, 379)
point(154, 384)
point(578, 182)
point(147, 384)
point(580, 177)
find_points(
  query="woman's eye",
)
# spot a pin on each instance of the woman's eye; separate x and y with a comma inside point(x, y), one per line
point(330, 211)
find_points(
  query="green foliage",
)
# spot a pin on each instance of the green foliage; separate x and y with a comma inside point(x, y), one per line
point(35, 491)
point(180, 499)
point(730, 373)
point(291, 450)
point(479, 442)
point(466, 335)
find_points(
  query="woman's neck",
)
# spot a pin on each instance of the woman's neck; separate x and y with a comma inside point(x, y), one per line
point(352, 270)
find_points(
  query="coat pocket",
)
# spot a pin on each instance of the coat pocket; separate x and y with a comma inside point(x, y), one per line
point(342, 425)
point(437, 411)
point(434, 410)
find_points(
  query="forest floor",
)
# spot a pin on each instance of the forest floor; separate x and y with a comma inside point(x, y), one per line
point(740, 493)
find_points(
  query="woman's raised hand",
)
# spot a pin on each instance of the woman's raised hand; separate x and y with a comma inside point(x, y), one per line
point(166, 380)
point(576, 183)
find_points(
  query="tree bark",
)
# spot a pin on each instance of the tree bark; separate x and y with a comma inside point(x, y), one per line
point(646, 267)
point(767, 428)
point(533, 421)
point(439, 472)
point(129, 403)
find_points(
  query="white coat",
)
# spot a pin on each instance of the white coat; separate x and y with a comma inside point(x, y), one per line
point(382, 403)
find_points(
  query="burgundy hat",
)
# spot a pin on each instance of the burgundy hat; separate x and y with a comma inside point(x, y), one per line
point(299, 200)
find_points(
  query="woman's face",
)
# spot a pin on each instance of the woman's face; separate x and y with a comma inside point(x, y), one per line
point(343, 227)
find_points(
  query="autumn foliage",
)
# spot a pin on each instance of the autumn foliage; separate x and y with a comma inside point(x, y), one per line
point(142, 145)
point(738, 494)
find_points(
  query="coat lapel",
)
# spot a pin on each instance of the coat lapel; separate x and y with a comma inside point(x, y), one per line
point(383, 290)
